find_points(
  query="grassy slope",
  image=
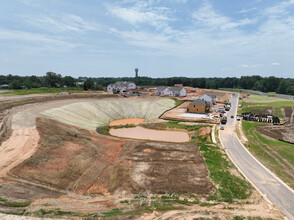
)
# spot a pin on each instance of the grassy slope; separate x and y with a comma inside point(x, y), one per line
point(260, 103)
point(274, 154)
point(264, 149)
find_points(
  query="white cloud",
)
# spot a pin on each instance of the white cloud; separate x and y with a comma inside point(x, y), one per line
point(275, 64)
point(279, 9)
point(37, 39)
point(143, 13)
point(207, 16)
point(243, 11)
point(65, 22)
point(30, 3)
point(251, 66)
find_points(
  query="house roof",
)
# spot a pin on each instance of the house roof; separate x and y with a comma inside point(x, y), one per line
point(212, 96)
point(175, 89)
point(122, 84)
point(161, 88)
point(199, 102)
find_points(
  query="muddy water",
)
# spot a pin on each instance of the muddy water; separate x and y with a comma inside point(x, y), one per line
point(150, 134)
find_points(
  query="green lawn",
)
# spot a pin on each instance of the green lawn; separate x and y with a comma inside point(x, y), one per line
point(274, 154)
point(258, 98)
point(276, 105)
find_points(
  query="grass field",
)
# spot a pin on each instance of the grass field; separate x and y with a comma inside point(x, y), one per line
point(278, 156)
point(257, 102)
point(42, 90)
point(258, 99)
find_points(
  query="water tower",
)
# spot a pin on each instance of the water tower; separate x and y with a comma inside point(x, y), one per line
point(136, 71)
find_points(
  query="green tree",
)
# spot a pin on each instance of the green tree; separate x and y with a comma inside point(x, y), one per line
point(15, 84)
point(290, 90)
point(68, 81)
point(53, 79)
point(89, 84)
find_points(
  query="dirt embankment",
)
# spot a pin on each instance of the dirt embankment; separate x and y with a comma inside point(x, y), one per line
point(7, 106)
point(74, 159)
point(281, 132)
point(5, 128)
point(126, 121)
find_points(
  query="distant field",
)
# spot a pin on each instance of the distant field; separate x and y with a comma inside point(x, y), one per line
point(258, 98)
point(278, 156)
point(256, 102)
point(43, 90)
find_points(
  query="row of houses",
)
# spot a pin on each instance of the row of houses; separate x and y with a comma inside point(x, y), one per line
point(203, 104)
point(121, 87)
point(171, 91)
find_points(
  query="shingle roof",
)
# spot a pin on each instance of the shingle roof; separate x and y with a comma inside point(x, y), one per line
point(123, 83)
point(175, 89)
point(199, 102)
point(212, 96)
point(161, 88)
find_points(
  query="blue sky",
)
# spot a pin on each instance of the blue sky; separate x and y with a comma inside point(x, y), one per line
point(163, 38)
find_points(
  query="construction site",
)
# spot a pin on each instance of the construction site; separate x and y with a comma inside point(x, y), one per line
point(55, 164)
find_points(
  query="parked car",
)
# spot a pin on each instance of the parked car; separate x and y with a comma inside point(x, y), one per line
point(238, 118)
point(222, 127)
point(232, 116)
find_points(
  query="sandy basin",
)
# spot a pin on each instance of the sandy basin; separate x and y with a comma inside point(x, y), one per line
point(127, 121)
point(150, 134)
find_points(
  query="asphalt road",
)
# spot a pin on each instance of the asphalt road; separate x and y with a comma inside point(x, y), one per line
point(264, 180)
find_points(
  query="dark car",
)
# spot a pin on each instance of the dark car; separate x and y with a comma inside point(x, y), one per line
point(232, 116)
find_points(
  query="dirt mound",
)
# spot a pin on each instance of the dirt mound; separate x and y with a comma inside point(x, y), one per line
point(166, 168)
point(68, 158)
point(266, 111)
point(283, 133)
point(204, 131)
point(126, 121)
point(289, 114)
point(73, 159)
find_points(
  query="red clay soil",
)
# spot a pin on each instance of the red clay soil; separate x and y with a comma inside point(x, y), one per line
point(281, 132)
point(73, 159)
point(68, 158)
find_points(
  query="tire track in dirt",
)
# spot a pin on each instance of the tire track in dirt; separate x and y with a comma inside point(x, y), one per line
point(112, 159)
point(19, 147)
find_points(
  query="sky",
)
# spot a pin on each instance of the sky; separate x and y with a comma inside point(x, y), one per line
point(163, 38)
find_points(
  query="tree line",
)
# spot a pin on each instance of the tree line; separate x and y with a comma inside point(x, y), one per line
point(51, 79)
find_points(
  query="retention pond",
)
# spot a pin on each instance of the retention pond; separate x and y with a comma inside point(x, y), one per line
point(150, 134)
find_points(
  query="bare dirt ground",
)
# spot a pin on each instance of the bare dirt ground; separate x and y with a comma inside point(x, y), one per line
point(281, 132)
point(150, 134)
point(126, 121)
point(19, 147)
point(194, 93)
point(258, 207)
point(266, 111)
point(74, 170)
point(174, 114)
